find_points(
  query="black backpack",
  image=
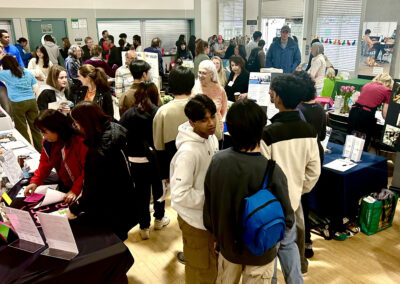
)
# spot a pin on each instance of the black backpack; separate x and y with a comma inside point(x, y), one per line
point(253, 64)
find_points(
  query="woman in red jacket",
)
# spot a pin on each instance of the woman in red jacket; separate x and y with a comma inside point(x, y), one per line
point(63, 150)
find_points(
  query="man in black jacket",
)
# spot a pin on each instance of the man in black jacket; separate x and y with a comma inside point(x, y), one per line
point(114, 54)
point(233, 175)
point(86, 48)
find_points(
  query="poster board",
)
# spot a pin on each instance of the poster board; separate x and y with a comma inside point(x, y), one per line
point(259, 84)
point(391, 134)
point(152, 59)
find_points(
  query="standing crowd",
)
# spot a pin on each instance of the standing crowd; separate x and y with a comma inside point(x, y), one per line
point(69, 111)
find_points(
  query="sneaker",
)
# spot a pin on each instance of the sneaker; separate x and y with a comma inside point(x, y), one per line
point(159, 224)
point(308, 252)
point(181, 258)
point(145, 234)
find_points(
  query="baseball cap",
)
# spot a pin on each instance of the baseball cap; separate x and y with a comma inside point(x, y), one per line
point(285, 28)
point(220, 37)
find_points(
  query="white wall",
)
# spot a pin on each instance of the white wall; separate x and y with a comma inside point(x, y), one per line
point(208, 14)
point(21, 10)
point(252, 13)
point(102, 4)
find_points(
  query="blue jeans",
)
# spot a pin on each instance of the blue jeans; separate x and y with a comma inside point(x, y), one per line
point(289, 258)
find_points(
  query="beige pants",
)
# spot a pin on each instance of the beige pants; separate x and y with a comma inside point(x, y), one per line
point(229, 273)
point(200, 258)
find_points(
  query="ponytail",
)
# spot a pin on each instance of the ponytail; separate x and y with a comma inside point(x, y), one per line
point(100, 79)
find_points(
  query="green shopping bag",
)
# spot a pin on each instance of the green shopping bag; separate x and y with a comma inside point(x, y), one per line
point(377, 215)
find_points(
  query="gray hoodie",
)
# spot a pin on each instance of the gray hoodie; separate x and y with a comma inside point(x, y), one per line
point(53, 51)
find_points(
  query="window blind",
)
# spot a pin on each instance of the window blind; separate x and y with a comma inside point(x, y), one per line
point(167, 30)
point(115, 28)
point(339, 20)
point(230, 18)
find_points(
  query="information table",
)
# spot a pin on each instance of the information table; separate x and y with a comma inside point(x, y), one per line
point(357, 83)
point(102, 258)
point(336, 194)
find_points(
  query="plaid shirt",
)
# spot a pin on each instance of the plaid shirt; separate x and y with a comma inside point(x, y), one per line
point(123, 80)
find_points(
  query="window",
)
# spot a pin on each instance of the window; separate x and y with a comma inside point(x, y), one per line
point(230, 18)
point(115, 28)
point(339, 20)
point(167, 30)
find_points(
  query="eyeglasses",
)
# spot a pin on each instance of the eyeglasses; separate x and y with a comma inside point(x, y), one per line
point(201, 73)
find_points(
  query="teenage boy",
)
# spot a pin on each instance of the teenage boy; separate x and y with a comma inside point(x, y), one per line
point(196, 144)
point(293, 144)
point(233, 175)
point(169, 117)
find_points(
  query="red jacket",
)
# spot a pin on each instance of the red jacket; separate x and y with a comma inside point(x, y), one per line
point(67, 159)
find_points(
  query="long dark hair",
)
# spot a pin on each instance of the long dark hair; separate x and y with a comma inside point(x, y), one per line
point(57, 122)
point(45, 56)
point(146, 95)
point(10, 63)
point(91, 118)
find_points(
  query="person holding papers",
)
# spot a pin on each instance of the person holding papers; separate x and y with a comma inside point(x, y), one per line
point(56, 88)
point(107, 199)
point(63, 150)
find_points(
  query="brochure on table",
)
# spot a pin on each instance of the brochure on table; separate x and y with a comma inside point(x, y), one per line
point(12, 146)
point(29, 237)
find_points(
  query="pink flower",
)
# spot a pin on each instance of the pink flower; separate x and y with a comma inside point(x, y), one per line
point(342, 88)
point(352, 88)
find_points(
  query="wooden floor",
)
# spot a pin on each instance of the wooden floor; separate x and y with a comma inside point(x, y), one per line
point(360, 259)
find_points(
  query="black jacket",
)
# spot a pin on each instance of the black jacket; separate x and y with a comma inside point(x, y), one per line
point(231, 177)
point(49, 96)
point(86, 53)
point(107, 196)
point(115, 57)
point(102, 98)
point(140, 130)
point(240, 85)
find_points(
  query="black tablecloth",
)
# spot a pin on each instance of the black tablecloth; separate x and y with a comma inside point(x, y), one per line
point(102, 258)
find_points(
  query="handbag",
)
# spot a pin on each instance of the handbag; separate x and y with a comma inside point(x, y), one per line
point(377, 211)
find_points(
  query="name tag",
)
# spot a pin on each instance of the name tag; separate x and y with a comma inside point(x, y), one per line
point(230, 84)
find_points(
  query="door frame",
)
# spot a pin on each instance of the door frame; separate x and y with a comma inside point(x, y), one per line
point(12, 27)
point(28, 20)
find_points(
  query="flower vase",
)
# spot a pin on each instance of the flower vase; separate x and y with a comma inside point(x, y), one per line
point(345, 108)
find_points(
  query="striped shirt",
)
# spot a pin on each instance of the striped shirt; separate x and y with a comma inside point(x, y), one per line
point(123, 80)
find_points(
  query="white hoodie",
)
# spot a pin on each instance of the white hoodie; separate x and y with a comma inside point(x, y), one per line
point(187, 174)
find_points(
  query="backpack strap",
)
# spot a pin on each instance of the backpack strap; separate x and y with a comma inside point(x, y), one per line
point(269, 172)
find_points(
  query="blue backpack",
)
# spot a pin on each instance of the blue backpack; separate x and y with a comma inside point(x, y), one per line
point(263, 219)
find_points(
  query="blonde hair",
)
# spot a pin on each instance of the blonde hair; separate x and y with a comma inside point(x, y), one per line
point(96, 50)
point(221, 73)
point(330, 73)
point(52, 78)
point(210, 66)
point(384, 79)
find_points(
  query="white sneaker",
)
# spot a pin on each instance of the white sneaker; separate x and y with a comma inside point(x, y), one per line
point(159, 224)
point(145, 234)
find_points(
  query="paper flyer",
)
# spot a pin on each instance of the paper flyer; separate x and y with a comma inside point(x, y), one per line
point(59, 236)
